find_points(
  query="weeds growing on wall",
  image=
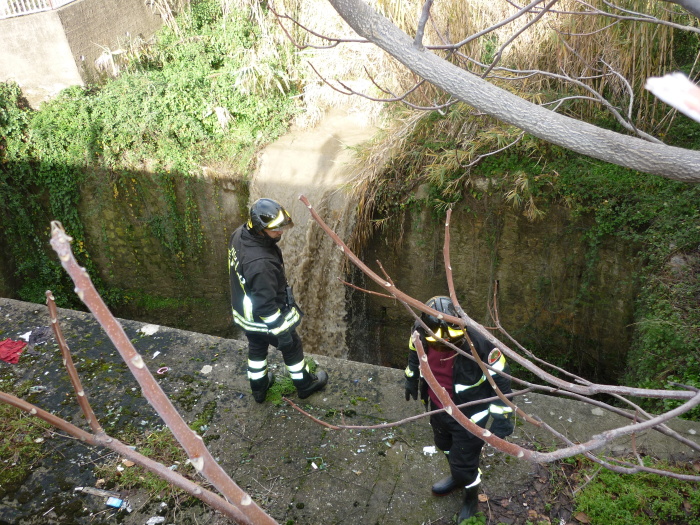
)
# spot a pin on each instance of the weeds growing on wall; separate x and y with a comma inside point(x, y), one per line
point(209, 92)
point(659, 217)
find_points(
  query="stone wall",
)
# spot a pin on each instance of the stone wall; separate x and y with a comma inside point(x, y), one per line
point(36, 54)
point(93, 26)
point(554, 294)
point(47, 52)
point(170, 276)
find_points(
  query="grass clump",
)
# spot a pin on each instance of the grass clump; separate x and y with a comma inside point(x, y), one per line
point(21, 446)
point(643, 499)
point(159, 445)
point(284, 386)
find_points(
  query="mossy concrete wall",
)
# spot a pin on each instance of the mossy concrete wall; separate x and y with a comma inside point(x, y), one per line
point(164, 243)
point(555, 294)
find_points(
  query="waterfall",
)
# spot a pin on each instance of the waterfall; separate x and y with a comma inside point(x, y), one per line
point(313, 162)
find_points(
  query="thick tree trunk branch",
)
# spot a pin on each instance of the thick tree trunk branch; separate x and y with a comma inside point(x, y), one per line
point(667, 161)
point(692, 6)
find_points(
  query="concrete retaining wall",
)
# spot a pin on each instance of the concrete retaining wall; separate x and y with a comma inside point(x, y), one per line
point(47, 52)
point(37, 56)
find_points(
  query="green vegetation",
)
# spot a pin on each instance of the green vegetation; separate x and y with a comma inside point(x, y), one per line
point(479, 519)
point(159, 445)
point(209, 92)
point(642, 499)
point(284, 386)
point(21, 446)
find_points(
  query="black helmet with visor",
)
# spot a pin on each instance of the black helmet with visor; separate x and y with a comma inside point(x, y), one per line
point(449, 332)
point(268, 214)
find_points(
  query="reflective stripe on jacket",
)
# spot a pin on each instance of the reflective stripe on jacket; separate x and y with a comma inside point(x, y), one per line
point(469, 382)
point(258, 284)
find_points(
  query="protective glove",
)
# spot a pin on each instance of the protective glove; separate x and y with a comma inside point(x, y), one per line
point(503, 424)
point(411, 387)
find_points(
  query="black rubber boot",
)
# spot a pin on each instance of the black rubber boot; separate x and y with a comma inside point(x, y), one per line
point(470, 505)
point(311, 383)
point(445, 486)
point(261, 386)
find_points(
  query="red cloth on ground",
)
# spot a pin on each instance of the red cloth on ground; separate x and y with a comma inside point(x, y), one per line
point(10, 350)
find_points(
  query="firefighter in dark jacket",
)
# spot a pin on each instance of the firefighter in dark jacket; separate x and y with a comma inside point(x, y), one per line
point(464, 382)
point(262, 301)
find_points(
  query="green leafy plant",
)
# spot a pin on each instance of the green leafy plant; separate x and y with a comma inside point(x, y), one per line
point(642, 499)
point(198, 96)
point(21, 446)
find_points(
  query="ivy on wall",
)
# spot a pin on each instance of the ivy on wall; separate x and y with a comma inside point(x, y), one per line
point(198, 96)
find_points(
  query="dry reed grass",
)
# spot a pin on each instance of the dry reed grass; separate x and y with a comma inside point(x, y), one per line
point(580, 44)
point(561, 41)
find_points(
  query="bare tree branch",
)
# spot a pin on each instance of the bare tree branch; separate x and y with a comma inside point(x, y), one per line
point(692, 6)
point(519, 32)
point(70, 367)
point(579, 391)
point(589, 389)
point(333, 41)
point(401, 421)
point(199, 455)
point(177, 480)
point(668, 161)
point(425, 15)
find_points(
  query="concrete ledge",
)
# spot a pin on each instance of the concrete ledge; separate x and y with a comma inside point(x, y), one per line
point(299, 471)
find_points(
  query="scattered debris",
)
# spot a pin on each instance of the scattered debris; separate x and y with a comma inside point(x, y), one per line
point(162, 370)
point(112, 499)
point(114, 502)
point(37, 389)
point(155, 520)
point(98, 492)
point(40, 336)
point(10, 350)
point(149, 329)
point(206, 369)
point(429, 451)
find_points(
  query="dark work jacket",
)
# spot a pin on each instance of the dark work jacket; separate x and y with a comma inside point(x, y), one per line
point(468, 381)
point(259, 284)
